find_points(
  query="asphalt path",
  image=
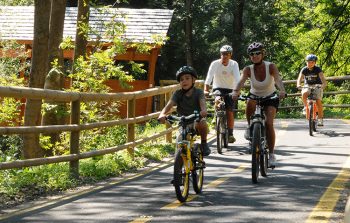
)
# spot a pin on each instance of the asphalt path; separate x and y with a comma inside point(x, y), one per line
point(309, 184)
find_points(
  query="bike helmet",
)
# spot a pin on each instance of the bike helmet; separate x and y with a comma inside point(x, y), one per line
point(311, 57)
point(226, 48)
point(255, 46)
point(185, 70)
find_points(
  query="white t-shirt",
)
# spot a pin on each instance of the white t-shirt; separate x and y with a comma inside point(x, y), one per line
point(223, 76)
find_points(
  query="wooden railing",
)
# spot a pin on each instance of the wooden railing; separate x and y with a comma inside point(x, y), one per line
point(75, 98)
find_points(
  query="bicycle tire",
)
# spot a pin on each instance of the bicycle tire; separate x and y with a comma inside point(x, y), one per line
point(264, 162)
point(198, 169)
point(225, 133)
point(181, 178)
point(219, 139)
point(311, 120)
point(315, 117)
point(256, 144)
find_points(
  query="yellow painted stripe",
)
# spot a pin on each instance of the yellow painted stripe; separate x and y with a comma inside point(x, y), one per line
point(142, 219)
point(212, 184)
point(324, 209)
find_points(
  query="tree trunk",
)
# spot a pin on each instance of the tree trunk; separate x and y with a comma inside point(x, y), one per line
point(188, 33)
point(39, 66)
point(238, 31)
point(55, 78)
point(80, 39)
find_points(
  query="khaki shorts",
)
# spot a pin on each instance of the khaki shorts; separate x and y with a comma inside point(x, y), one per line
point(318, 92)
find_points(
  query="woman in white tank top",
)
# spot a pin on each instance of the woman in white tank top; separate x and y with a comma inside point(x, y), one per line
point(264, 76)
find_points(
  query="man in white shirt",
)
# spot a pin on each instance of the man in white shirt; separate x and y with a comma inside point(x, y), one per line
point(224, 73)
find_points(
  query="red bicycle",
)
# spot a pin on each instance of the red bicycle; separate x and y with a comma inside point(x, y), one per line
point(311, 108)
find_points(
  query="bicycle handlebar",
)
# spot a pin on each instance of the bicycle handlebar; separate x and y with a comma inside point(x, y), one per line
point(255, 97)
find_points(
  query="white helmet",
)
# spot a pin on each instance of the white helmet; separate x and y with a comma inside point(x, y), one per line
point(226, 48)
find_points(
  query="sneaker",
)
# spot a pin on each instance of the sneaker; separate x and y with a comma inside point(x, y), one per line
point(231, 139)
point(320, 122)
point(272, 160)
point(206, 149)
point(304, 111)
point(247, 134)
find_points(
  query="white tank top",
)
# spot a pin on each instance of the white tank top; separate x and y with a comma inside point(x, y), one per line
point(265, 87)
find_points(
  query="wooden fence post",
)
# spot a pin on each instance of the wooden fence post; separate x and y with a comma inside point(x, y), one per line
point(74, 138)
point(131, 126)
point(169, 136)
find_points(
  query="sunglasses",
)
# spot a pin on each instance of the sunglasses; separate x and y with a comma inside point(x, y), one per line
point(255, 53)
point(225, 53)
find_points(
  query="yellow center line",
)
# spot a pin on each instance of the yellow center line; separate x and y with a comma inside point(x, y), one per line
point(142, 219)
point(322, 212)
point(212, 184)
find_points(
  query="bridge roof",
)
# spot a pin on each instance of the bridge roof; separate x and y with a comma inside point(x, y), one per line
point(142, 25)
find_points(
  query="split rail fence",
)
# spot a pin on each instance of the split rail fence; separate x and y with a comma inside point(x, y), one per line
point(75, 127)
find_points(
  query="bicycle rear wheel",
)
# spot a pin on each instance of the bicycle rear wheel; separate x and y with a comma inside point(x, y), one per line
point(219, 136)
point(198, 169)
point(256, 144)
point(181, 178)
point(311, 120)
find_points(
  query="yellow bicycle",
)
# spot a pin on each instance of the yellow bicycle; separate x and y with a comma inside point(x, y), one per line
point(188, 158)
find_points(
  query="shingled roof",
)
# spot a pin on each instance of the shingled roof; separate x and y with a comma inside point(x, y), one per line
point(17, 22)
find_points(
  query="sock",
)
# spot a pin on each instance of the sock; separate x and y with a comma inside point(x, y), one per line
point(230, 132)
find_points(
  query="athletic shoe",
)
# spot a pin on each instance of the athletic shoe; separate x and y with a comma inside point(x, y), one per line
point(272, 160)
point(320, 122)
point(231, 139)
point(304, 111)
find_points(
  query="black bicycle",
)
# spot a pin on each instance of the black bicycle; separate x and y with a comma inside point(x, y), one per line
point(221, 121)
point(257, 136)
point(188, 158)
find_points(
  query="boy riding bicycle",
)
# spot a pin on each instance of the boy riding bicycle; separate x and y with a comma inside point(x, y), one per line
point(189, 99)
point(312, 75)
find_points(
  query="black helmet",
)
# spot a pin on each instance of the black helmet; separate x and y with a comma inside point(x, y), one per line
point(185, 70)
point(226, 48)
point(255, 46)
point(311, 57)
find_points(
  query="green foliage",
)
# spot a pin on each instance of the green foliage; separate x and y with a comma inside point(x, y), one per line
point(16, 2)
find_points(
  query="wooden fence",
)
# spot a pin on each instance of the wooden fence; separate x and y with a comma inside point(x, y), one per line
point(75, 98)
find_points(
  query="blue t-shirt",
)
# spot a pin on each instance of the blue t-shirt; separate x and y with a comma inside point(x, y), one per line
point(312, 77)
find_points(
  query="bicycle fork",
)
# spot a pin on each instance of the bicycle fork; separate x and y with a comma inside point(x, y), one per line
point(186, 156)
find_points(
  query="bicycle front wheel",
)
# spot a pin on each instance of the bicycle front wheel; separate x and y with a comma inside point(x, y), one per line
point(264, 162)
point(219, 135)
point(311, 120)
point(256, 147)
point(198, 169)
point(181, 178)
point(315, 117)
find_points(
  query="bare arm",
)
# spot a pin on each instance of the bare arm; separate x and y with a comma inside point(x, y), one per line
point(203, 107)
point(323, 79)
point(278, 80)
point(300, 78)
point(165, 111)
point(206, 89)
point(237, 89)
